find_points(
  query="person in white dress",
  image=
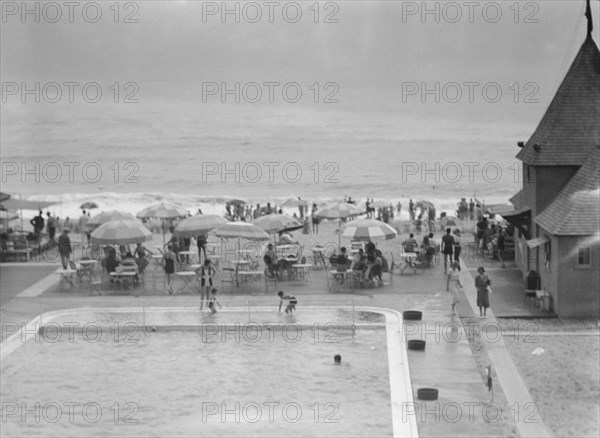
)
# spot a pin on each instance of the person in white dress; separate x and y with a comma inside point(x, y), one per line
point(453, 284)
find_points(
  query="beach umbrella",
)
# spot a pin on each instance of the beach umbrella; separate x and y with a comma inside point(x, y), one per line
point(121, 232)
point(199, 224)
point(293, 201)
point(88, 205)
point(241, 230)
point(275, 223)
point(107, 216)
point(4, 196)
point(368, 229)
point(162, 212)
point(340, 210)
point(8, 215)
point(21, 204)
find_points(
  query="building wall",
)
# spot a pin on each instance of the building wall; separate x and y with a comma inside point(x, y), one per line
point(578, 287)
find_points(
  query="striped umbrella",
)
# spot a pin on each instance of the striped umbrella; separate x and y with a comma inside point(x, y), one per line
point(275, 223)
point(199, 224)
point(340, 210)
point(368, 229)
point(107, 216)
point(121, 232)
point(241, 230)
point(162, 212)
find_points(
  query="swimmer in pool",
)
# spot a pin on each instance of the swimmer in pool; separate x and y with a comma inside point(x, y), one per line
point(337, 359)
point(291, 306)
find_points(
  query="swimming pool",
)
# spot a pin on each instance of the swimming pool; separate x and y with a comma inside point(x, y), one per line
point(236, 373)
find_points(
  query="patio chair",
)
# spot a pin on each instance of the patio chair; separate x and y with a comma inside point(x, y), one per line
point(228, 276)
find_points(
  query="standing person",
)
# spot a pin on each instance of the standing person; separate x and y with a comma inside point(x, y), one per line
point(453, 285)
point(447, 248)
point(501, 245)
point(82, 223)
point(471, 210)
point(169, 266)
point(212, 301)
point(67, 223)
point(301, 207)
point(64, 248)
point(411, 209)
point(292, 301)
point(399, 207)
point(206, 273)
point(38, 225)
point(50, 226)
point(256, 213)
point(457, 247)
point(306, 225)
point(315, 219)
point(201, 242)
point(482, 281)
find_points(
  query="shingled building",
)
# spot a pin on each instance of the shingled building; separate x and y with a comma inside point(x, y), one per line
point(557, 212)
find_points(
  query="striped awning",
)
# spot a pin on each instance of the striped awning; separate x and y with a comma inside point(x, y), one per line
point(538, 241)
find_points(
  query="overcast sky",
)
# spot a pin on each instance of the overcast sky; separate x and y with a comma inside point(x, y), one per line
point(374, 45)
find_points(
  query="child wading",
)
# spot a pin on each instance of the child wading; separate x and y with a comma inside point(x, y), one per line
point(291, 306)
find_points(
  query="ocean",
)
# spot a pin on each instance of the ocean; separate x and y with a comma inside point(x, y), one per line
point(130, 156)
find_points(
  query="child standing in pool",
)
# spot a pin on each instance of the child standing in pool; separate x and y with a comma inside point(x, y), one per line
point(291, 306)
point(212, 302)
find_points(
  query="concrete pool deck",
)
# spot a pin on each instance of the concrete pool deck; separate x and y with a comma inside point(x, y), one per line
point(447, 363)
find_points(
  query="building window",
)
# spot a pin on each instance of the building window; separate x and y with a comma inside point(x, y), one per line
point(584, 256)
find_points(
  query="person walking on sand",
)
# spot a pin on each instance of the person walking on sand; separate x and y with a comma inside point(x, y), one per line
point(206, 273)
point(169, 266)
point(212, 302)
point(482, 281)
point(453, 285)
point(292, 301)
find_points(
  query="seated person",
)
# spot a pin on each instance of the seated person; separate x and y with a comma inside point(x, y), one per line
point(410, 244)
point(110, 262)
point(369, 247)
point(376, 268)
point(356, 259)
point(342, 260)
point(270, 259)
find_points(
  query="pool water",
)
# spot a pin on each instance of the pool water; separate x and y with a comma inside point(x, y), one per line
point(190, 383)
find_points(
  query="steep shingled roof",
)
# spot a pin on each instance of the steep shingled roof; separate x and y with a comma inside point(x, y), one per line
point(576, 209)
point(570, 129)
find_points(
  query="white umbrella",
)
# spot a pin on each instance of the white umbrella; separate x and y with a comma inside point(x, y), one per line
point(241, 230)
point(275, 223)
point(121, 232)
point(368, 229)
point(8, 215)
point(107, 216)
point(340, 210)
point(199, 224)
point(163, 211)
